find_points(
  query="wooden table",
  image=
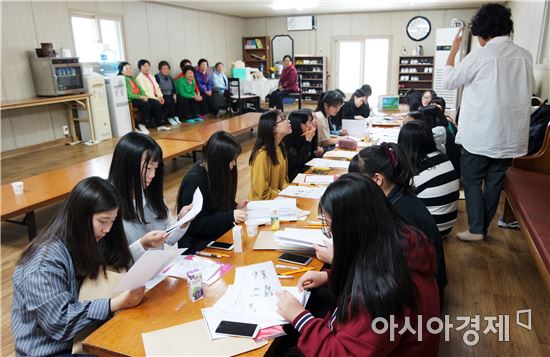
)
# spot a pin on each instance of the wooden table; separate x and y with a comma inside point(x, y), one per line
point(52, 186)
point(72, 102)
point(233, 126)
point(168, 303)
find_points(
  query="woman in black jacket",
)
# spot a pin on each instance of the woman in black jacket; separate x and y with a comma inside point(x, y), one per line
point(354, 108)
point(301, 146)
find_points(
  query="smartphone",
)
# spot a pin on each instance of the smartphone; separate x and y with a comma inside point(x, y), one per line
point(221, 245)
point(294, 258)
point(240, 329)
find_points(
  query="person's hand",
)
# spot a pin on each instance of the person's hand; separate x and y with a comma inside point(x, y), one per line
point(310, 134)
point(161, 101)
point(153, 239)
point(344, 132)
point(127, 299)
point(312, 280)
point(457, 41)
point(144, 98)
point(208, 93)
point(239, 216)
point(242, 204)
point(324, 254)
point(183, 211)
point(288, 306)
point(319, 151)
point(174, 96)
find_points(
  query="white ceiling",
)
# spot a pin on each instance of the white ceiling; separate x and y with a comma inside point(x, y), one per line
point(262, 8)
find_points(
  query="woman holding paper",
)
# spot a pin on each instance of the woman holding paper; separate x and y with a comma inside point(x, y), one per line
point(382, 267)
point(137, 171)
point(301, 145)
point(83, 239)
point(268, 161)
point(216, 176)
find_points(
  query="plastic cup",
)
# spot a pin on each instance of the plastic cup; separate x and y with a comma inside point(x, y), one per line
point(18, 187)
point(251, 229)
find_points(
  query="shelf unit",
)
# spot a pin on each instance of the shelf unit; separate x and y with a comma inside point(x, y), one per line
point(257, 52)
point(314, 75)
point(415, 72)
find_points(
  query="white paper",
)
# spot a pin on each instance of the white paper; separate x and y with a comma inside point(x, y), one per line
point(314, 179)
point(355, 127)
point(195, 210)
point(340, 154)
point(180, 266)
point(151, 263)
point(300, 237)
point(336, 164)
point(303, 191)
point(262, 210)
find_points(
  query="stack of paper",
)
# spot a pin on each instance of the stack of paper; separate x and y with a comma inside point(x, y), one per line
point(303, 192)
point(333, 164)
point(340, 154)
point(262, 210)
point(296, 237)
point(210, 271)
point(314, 179)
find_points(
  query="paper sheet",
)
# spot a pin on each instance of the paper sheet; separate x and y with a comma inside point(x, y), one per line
point(195, 210)
point(340, 154)
point(266, 241)
point(336, 164)
point(314, 179)
point(300, 237)
point(262, 209)
point(192, 339)
point(355, 127)
point(303, 191)
point(146, 268)
point(210, 270)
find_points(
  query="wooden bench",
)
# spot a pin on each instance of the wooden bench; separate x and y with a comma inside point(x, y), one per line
point(527, 190)
point(134, 115)
point(52, 186)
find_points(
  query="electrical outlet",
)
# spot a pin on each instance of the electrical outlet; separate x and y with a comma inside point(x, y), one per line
point(66, 130)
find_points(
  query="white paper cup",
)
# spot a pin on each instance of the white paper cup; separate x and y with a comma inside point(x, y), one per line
point(251, 229)
point(18, 187)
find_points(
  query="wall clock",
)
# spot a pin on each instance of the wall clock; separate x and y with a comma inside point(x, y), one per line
point(418, 28)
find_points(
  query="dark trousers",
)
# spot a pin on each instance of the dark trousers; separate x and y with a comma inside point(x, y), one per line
point(276, 99)
point(482, 203)
point(204, 106)
point(169, 107)
point(150, 113)
point(186, 108)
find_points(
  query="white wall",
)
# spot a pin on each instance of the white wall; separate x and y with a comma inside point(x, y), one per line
point(392, 24)
point(152, 31)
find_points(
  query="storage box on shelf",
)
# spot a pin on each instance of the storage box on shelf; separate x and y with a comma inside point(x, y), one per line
point(314, 79)
point(415, 72)
point(256, 53)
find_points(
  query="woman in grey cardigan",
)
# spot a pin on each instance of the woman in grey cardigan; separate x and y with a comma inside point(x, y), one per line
point(137, 171)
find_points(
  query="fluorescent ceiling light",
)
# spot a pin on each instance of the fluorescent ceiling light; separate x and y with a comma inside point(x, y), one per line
point(293, 4)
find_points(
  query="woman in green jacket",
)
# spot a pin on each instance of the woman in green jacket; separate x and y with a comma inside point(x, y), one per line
point(187, 98)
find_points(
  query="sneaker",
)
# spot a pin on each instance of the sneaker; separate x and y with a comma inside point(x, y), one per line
point(221, 113)
point(190, 121)
point(172, 121)
point(177, 119)
point(142, 128)
point(199, 120)
point(511, 225)
point(466, 236)
point(163, 128)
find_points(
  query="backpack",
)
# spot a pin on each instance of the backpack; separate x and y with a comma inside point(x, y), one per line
point(537, 127)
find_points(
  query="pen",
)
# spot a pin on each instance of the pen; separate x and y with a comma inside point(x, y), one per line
point(286, 267)
point(307, 132)
point(210, 255)
point(285, 277)
point(220, 254)
point(297, 271)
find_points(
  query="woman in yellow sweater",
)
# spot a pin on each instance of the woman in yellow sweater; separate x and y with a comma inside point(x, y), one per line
point(268, 162)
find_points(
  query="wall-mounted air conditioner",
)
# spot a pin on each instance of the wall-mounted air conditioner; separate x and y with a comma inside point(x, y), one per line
point(301, 23)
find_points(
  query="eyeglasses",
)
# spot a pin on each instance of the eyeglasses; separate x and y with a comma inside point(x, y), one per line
point(325, 227)
point(281, 120)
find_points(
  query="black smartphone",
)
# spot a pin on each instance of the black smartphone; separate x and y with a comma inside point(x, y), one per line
point(295, 258)
point(221, 245)
point(241, 329)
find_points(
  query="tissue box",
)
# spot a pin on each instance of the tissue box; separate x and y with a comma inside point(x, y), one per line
point(239, 73)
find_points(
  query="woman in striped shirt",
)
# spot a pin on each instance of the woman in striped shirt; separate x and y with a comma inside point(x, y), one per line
point(435, 181)
point(83, 239)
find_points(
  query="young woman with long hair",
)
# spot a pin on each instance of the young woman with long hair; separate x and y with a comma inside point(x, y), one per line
point(137, 171)
point(268, 161)
point(83, 239)
point(328, 105)
point(216, 176)
point(382, 267)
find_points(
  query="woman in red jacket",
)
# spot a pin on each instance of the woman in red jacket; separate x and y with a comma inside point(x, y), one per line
point(288, 83)
point(382, 268)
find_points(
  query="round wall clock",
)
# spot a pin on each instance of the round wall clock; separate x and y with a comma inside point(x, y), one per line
point(418, 28)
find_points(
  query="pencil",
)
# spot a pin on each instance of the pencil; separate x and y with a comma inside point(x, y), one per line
point(307, 132)
point(296, 271)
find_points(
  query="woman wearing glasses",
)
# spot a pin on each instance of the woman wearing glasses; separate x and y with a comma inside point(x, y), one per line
point(383, 270)
point(268, 162)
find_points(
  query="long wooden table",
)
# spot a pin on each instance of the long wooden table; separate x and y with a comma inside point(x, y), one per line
point(168, 303)
point(52, 186)
point(233, 126)
point(74, 101)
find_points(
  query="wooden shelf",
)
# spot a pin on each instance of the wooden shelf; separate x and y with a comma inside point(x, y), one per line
point(263, 51)
point(304, 69)
point(419, 81)
point(425, 81)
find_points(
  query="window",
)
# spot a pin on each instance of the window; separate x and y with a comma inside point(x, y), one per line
point(363, 61)
point(97, 38)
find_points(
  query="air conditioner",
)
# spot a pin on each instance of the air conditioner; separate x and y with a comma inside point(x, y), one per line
point(301, 23)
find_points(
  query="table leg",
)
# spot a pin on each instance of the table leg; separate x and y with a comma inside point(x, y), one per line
point(30, 222)
point(92, 136)
point(70, 116)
